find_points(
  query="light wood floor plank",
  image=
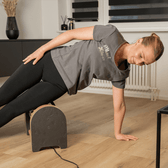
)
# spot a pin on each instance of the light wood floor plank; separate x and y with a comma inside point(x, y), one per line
point(91, 142)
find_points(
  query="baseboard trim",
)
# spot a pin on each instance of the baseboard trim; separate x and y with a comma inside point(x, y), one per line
point(127, 93)
point(163, 97)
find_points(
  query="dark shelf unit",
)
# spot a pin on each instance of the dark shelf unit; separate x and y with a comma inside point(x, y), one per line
point(12, 52)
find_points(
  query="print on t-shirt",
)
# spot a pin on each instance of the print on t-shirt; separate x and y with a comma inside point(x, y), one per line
point(104, 49)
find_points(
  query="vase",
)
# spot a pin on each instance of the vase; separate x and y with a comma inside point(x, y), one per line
point(12, 31)
point(64, 27)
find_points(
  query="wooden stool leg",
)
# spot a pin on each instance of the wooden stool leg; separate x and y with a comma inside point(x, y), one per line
point(27, 120)
point(53, 103)
point(158, 139)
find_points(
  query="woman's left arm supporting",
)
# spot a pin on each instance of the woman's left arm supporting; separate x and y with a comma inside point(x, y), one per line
point(119, 113)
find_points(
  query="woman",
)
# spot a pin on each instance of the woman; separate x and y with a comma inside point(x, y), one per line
point(48, 72)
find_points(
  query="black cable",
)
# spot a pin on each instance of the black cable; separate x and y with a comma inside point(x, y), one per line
point(64, 159)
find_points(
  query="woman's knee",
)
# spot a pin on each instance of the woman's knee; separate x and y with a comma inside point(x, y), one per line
point(3, 100)
point(6, 115)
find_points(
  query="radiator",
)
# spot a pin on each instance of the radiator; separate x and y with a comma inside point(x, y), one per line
point(141, 79)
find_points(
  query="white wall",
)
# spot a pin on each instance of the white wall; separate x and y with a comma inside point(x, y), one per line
point(162, 69)
point(41, 19)
point(29, 20)
point(36, 19)
point(2, 21)
point(49, 17)
point(63, 11)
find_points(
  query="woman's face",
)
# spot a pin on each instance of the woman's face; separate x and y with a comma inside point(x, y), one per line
point(140, 54)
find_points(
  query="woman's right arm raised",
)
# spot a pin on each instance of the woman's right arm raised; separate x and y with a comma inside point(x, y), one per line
point(85, 33)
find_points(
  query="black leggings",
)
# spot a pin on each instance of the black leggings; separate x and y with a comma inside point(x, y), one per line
point(29, 87)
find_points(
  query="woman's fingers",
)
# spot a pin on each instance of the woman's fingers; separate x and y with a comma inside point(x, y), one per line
point(36, 60)
point(27, 60)
point(36, 56)
point(123, 137)
point(130, 137)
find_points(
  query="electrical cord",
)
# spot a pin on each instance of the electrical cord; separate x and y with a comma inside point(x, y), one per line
point(63, 158)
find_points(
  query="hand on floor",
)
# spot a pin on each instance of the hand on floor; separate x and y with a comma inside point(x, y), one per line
point(122, 137)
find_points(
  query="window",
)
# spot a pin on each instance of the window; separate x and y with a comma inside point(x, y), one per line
point(85, 10)
point(138, 10)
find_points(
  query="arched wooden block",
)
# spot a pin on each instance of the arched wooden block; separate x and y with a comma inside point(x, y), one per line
point(48, 128)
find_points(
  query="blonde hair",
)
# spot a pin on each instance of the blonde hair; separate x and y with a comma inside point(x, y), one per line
point(157, 44)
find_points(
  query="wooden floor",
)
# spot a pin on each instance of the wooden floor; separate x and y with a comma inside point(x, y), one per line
point(91, 142)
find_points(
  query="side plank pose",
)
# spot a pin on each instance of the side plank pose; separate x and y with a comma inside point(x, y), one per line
point(50, 72)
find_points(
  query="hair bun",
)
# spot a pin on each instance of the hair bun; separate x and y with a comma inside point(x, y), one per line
point(155, 35)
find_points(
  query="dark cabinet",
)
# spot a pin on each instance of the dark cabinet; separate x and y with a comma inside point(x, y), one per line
point(30, 46)
point(12, 52)
point(10, 57)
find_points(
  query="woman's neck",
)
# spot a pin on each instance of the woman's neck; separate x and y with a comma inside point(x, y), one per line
point(121, 55)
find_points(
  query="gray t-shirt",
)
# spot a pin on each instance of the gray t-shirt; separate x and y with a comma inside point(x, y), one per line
point(80, 63)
